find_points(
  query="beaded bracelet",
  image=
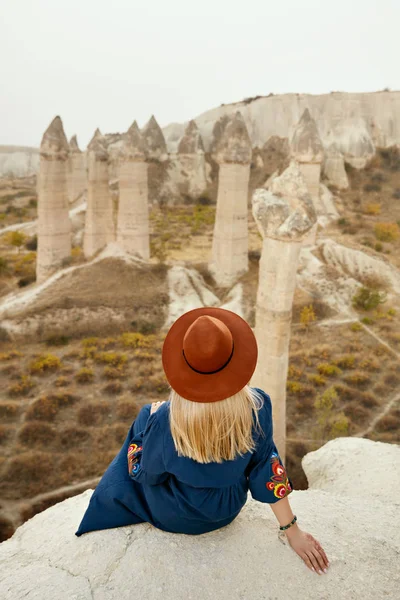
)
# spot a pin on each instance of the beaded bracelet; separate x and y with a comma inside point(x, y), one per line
point(282, 528)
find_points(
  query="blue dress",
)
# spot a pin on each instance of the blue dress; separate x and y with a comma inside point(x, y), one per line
point(148, 482)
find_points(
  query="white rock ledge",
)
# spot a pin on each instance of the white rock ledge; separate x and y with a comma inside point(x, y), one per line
point(247, 560)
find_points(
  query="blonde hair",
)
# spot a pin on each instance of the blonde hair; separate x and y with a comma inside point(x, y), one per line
point(215, 431)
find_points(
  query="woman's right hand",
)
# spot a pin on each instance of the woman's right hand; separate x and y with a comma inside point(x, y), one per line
point(308, 548)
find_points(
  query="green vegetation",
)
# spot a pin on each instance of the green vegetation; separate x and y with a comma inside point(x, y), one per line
point(367, 299)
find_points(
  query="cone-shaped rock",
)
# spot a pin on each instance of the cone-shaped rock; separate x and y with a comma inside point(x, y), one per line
point(54, 141)
point(154, 140)
point(133, 210)
point(230, 241)
point(306, 143)
point(99, 213)
point(77, 176)
point(307, 150)
point(54, 227)
point(191, 142)
point(234, 145)
point(284, 215)
point(73, 144)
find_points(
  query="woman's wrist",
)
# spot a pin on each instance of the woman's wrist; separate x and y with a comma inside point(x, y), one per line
point(292, 530)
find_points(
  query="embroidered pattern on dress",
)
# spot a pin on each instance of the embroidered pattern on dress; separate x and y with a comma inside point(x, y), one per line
point(279, 480)
point(133, 457)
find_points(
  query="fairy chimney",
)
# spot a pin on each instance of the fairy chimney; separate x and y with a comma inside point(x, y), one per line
point(77, 171)
point(154, 140)
point(307, 150)
point(191, 163)
point(133, 211)
point(99, 212)
point(230, 240)
point(284, 215)
point(54, 227)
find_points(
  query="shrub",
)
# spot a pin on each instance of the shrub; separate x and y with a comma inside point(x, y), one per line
point(114, 372)
point(58, 340)
point(16, 239)
point(324, 406)
point(143, 356)
point(6, 431)
point(342, 222)
point(347, 361)
point(4, 267)
point(358, 378)
point(388, 423)
point(367, 299)
point(10, 355)
point(392, 379)
point(22, 388)
point(339, 425)
point(32, 243)
point(372, 187)
point(370, 364)
point(9, 410)
point(137, 340)
point(47, 407)
point(36, 433)
point(367, 321)
point(396, 194)
point(294, 372)
point(317, 380)
point(61, 381)
point(356, 327)
point(127, 409)
point(45, 363)
point(294, 387)
point(115, 359)
point(113, 388)
point(93, 413)
point(85, 375)
point(373, 209)
point(307, 316)
point(387, 232)
point(329, 370)
point(71, 437)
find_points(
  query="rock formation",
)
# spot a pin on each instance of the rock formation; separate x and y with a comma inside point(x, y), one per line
point(133, 211)
point(334, 169)
point(77, 171)
point(307, 150)
point(284, 215)
point(191, 166)
point(249, 559)
point(54, 228)
point(354, 141)
point(278, 114)
point(99, 216)
point(154, 140)
point(230, 240)
point(187, 290)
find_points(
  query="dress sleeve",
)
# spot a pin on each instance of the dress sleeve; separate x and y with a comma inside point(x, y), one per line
point(146, 454)
point(268, 480)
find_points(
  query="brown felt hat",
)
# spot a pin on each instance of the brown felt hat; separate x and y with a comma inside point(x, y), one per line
point(209, 354)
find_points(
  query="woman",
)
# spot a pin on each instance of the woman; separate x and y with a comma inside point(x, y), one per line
point(187, 464)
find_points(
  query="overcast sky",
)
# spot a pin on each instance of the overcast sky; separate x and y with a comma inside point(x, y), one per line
point(104, 63)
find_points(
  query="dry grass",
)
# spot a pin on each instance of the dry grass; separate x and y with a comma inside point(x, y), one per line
point(94, 414)
point(46, 408)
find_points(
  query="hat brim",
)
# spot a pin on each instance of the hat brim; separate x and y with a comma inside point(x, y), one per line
point(217, 386)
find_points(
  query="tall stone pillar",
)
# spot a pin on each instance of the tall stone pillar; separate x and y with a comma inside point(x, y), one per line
point(192, 163)
point(284, 215)
point(133, 212)
point(159, 181)
point(99, 213)
point(307, 150)
point(230, 240)
point(54, 227)
point(77, 171)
